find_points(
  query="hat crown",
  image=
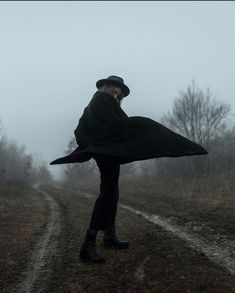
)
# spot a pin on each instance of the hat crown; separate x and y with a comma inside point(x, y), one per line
point(115, 78)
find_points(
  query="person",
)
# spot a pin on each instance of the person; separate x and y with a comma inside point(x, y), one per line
point(106, 134)
point(105, 207)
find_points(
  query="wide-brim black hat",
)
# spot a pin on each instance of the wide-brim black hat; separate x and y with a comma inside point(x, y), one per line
point(115, 80)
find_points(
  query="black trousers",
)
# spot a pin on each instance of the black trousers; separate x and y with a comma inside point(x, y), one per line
point(105, 207)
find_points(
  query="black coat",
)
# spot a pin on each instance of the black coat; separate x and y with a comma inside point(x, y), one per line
point(105, 128)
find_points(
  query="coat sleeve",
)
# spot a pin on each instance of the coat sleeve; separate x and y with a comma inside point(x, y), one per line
point(103, 110)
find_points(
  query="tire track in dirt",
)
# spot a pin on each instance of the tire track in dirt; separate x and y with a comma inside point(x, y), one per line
point(222, 254)
point(213, 251)
point(39, 266)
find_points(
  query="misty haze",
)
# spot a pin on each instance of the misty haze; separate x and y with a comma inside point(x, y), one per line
point(147, 203)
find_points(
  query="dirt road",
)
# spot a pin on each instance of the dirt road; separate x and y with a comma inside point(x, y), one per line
point(160, 258)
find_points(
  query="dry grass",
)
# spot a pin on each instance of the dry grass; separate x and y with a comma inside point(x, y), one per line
point(214, 191)
point(206, 192)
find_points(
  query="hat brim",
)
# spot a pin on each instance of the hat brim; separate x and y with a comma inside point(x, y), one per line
point(123, 87)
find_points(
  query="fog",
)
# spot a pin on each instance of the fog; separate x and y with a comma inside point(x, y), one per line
point(52, 54)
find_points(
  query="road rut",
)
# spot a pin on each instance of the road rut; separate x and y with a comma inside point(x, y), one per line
point(39, 266)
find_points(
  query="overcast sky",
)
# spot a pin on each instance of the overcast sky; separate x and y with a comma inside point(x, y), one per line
point(52, 54)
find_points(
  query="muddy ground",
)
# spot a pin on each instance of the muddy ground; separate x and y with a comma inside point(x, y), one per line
point(157, 261)
point(23, 215)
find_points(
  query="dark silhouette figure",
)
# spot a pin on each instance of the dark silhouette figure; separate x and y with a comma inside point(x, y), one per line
point(106, 134)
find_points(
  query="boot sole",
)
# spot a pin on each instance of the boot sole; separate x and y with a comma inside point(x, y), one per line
point(113, 246)
point(87, 259)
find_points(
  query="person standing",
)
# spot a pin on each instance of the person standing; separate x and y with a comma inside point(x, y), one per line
point(106, 134)
point(105, 207)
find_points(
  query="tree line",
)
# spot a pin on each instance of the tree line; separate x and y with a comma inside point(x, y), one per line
point(16, 166)
point(195, 114)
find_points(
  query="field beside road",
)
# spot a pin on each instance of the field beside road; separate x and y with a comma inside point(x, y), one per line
point(157, 260)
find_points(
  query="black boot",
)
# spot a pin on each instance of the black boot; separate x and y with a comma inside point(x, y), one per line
point(88, 248)
point(111, 240)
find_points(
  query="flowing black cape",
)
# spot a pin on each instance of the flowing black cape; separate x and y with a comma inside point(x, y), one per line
point(106, 129)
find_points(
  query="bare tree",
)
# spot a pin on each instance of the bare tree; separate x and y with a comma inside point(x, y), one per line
point(3, 143)
point(77, 173)
point(43, 174)
point(223, 153)
point(197, 115)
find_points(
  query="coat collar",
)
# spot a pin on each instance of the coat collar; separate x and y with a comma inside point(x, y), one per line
point(99, 93)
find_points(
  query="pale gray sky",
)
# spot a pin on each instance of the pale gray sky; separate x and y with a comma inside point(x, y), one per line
point(52, 54)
